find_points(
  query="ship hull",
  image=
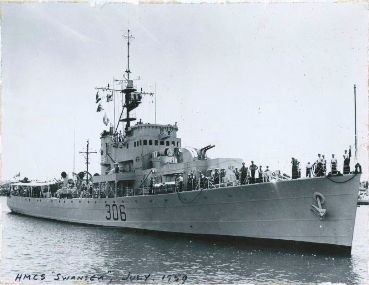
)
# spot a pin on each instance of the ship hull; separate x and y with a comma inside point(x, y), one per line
point(280, 211)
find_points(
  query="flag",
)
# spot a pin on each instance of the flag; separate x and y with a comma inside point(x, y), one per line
point(109, 97)
point(105, 120)
point(99, 108)
point(97, 98)
point(17, 175)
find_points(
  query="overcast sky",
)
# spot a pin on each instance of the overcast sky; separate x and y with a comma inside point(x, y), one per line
point(262, 82)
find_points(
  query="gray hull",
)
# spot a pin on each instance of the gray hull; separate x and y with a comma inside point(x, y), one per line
point(277, 211)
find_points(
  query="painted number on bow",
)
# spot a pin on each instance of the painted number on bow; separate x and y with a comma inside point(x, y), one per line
point(116, 213)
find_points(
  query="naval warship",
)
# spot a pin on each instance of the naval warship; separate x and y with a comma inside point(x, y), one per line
point(149, 182)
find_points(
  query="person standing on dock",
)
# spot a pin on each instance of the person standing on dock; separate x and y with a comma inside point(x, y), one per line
point(308, 169)
point(253, 169)
point(333, 165)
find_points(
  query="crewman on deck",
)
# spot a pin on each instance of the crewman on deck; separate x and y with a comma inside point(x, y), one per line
point(319, 166)
point(190, 181)
point(243, 174)
point(333, 165)
point(295, 173)
point(308, 169)
point(216, 176)
point(267, 174)
point(261, 174)
point(222, 175)
point(346, 162)
point(324, 163)
point(236, 173)
point(253, 169)
point(180, 182)
point(298, 169)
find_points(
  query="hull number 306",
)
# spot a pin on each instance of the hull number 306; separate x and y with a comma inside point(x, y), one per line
point(115, 212)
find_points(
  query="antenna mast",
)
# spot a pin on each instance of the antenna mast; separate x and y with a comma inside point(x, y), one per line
point(128, 37)
point(87, 153)
point(74, 151)
point(355, 123)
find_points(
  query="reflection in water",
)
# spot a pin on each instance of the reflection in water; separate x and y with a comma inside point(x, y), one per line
point(39, 246)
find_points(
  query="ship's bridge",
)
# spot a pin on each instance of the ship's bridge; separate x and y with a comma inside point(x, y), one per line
point(137, 147)
point(153, 135)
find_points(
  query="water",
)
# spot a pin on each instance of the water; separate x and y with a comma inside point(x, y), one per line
point(35, 246)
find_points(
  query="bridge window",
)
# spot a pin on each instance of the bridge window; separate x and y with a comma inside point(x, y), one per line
point(173, 143)
point(178, 144)
point(145, 142)
point(156, 142)
point(150, 142)
point(161, 142)
point(134, 144)
point(167, 143)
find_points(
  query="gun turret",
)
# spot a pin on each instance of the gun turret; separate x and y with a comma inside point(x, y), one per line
point(202, 151)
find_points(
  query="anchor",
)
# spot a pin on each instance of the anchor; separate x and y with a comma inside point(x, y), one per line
point(319, 210)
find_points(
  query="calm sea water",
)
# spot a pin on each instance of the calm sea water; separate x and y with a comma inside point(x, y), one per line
point(35, 246)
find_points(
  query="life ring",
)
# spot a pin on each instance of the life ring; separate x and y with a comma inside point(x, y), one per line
point(321, 197)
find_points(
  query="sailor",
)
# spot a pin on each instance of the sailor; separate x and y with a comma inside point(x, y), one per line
point(180, 182)
point(216, 176)
point(261, 174)
point(298, 169)
point(203, 182)
point(346, 162)
point(253, 169)
point(236, 173)
point(267, 174)
point(358, 168)
point(243, 174)
point(319, 166)
point(308, 169)
point(333, 165)
point(324, 163)
point(294, 168)
point(190, 181)
point(222, 175)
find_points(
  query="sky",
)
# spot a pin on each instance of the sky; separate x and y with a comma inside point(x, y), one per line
point(263, 82)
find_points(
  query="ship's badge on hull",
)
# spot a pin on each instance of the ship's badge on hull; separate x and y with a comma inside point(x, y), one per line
point(318, 209)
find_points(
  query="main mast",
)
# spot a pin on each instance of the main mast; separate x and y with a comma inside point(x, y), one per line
point(132, 97)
